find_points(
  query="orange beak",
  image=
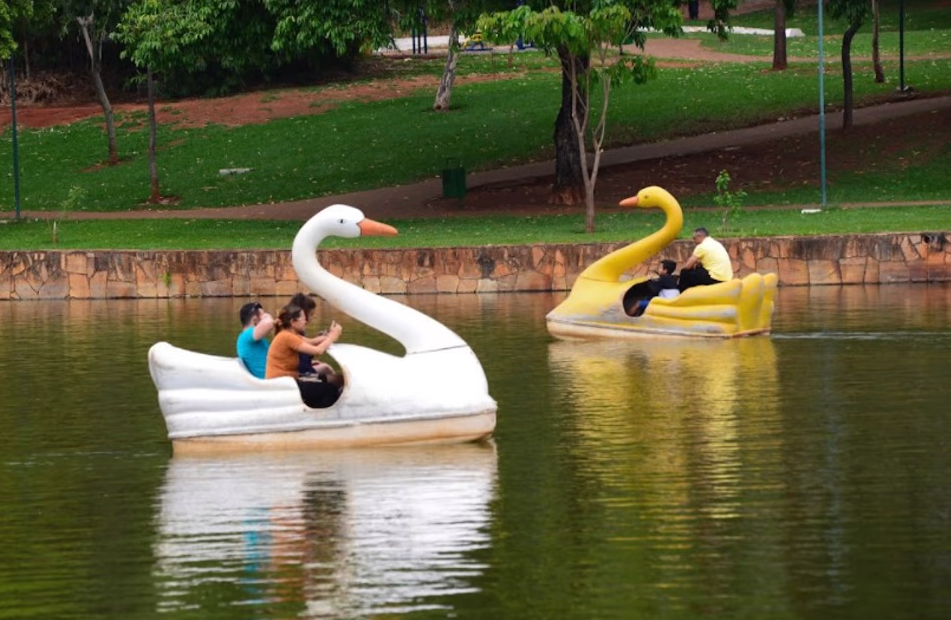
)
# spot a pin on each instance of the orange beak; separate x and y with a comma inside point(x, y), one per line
point(371, 228)
point(629, 202)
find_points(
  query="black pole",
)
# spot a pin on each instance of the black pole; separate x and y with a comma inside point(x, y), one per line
point(425, 32)
point(901, 46)
point(16, 150)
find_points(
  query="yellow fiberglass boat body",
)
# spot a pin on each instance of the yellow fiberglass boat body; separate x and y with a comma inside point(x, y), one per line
point(598, 304)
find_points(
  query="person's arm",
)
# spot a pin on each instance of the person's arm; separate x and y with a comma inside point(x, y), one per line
point(319, 349)
point(315, 340)
point(264, 326)
point(691, 262)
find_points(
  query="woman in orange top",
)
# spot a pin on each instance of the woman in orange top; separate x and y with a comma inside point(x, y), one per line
point(283, 356)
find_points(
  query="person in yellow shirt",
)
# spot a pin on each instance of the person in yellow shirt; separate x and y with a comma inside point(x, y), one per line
point(709, 263)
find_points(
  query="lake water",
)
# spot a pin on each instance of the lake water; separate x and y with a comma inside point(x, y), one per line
point(805, 475)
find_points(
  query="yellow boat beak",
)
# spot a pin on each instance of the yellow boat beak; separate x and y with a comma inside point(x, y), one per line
point(629, 202)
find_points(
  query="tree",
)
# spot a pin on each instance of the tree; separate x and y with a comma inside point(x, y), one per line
point(576, 37)
point(462, 16)
point(854, 13)
point(783, 9)
point(346, 27)
point(155, 32)
point(7, 17)
point(95, 18)
point(876, 52)
point(12, 12)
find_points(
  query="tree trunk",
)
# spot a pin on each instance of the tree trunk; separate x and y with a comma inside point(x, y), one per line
point(154, 196)
point(847, 73)
point(94, 49)
point(779, 36)
point(569, 179)
point(444, 92)
point(876, 52)
point(26, 57)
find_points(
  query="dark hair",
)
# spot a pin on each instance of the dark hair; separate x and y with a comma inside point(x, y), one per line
point(287, 314)
point(305, 302)
point(670, 266)
point(247, 312)
point(701, 231)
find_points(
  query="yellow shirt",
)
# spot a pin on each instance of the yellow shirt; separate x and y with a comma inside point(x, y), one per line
point(283, 359)
point(714, 258)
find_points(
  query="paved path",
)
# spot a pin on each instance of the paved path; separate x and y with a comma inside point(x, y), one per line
point(411, 201)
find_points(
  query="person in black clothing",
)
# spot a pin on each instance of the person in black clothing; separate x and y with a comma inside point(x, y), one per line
point(307, 367)
point(664, 285)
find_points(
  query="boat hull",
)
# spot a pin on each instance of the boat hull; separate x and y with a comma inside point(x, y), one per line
point(213, 404)
point(734, 309)
point(454, 429)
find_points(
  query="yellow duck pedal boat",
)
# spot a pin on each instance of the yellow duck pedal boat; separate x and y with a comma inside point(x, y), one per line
point(596, 306)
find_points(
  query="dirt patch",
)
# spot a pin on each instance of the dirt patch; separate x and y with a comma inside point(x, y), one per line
point(245, 109)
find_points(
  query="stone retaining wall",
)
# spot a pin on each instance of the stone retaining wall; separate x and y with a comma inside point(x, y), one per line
point(799, 261)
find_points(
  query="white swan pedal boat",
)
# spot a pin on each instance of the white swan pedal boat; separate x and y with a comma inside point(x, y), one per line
point(436, 392)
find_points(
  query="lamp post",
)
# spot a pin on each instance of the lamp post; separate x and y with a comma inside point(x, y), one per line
point(822, 114)
point(16, 150)
point(901, 46)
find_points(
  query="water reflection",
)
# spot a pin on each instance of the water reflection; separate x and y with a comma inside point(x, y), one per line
point(338, 534)
point(667, 425)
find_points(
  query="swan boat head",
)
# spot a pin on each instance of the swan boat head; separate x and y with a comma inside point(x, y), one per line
point(436, 392)
point(597, 306)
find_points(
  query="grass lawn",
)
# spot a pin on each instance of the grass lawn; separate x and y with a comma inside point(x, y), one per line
point(507, 120)
point(614, 225)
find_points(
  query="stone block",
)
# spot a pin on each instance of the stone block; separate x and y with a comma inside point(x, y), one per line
point(486, 285)
point(538, 255)
point(372, 284)
point(747, 259)
point(872, 271)
point(392, 286)
point(917, 272)
point(469, 267)
point(286, 288)
point(261, 286)
point(507, 283)
point(893, 271)
point(909, 250)
point(120, 290)
point(216, 288)
point(6, 286)
point(852, 270)
point(793, 272)
point(447, 284)
point(240, 286)
point(532, 281)
point(501, 270)
point(192, 288)
point(426, 284)
point(175, 286)
point(823, 272)
point(469, 285)
point(77, 263)
point(767, 265)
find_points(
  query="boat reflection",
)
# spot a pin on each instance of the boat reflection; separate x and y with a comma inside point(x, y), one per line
point(338, 534)
point(662, 414)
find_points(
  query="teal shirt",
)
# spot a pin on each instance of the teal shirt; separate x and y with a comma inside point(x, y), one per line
point(253, 352)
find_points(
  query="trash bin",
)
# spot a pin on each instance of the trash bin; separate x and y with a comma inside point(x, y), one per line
point(454, 179)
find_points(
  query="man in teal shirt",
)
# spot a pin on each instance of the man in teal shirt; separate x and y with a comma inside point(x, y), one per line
point(252, 345)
